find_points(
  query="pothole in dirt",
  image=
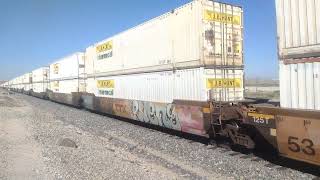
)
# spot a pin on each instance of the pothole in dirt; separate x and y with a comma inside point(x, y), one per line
point(66, 142)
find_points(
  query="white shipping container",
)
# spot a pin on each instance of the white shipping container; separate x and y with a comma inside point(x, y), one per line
point(64, 86)
point(5, 85)
point(298, 28)
point(13, 84)
point(67, 67)
point(67, 74)
point(18, 82)
point(13, 81)
point(200, 33)
point(10, 83)
point(40, 87)
point(40, 79)
point(40, 75)
point(188, 84)
point(27, 87)
point(26, 78)
point(300, 85)
point(24, 82)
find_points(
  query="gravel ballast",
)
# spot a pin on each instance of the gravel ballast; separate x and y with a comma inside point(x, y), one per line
point(100, 147)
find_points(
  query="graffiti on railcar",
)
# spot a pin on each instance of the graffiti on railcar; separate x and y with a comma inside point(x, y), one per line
point(191, 119)
point(122, 108)
point(186, 118)
point(150, 111)
point(155, 113)
point(137, 109)
point(172, 119)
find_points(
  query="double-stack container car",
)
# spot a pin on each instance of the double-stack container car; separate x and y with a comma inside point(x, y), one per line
point(295, 127)
point(17, 84)
point(183, 54)
point(65, 79)
point(27, 82)
point(24, 83)
point(184, 71)
point(168, 68)
point(40, 82)
point(299, 53)
point(5, 85)
point(164, 71)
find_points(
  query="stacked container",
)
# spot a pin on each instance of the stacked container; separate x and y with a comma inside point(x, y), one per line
point(26, 82)
point(66, 81)
point(17, 83)
point(64, 74)
point(299, 53)
point(40, 79)
point(191, 53)
point(6, 85)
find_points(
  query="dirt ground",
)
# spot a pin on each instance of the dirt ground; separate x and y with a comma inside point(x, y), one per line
point(20, 155)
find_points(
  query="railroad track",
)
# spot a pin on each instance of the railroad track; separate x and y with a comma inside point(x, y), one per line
point(171, 149)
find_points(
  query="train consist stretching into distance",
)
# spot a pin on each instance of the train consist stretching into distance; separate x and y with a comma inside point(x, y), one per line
point(184, 71)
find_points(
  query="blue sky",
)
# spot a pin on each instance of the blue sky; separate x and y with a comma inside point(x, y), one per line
point(34, 33)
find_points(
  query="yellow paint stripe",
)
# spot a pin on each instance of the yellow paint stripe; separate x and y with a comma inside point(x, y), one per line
point(264, 116)
point(206, 110)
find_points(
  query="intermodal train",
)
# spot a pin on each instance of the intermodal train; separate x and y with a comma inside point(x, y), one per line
point(183, 71)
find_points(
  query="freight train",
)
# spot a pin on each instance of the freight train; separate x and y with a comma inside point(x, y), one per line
point(183, 71)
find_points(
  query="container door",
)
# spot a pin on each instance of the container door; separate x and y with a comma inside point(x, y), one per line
point(222, 34)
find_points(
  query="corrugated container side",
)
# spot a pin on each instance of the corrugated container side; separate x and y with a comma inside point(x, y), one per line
point(67, 67)
point(40, 75)
point(159, 42)
point(40, 87)
point(27, 87)
point(298, 28)
point(201, 33)
point(26, 78)
point(18, 82)
point(189, 84)
point(64, 74)
point(300, 85)
point(64, 86)
point(40, 79)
